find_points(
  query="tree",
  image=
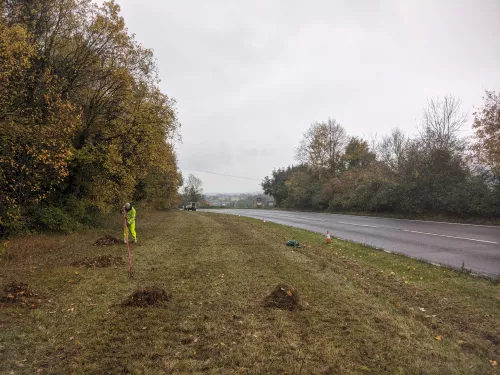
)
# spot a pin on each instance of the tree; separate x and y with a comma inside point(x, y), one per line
point(357, 154)
point(277, 186)
point(487, 126)
point(83, 123)
point(36, 127)
point(193, 191)
point(442, 119)
point(392, 149)
point(321, 147)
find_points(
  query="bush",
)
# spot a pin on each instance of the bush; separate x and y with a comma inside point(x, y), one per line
point(54, 219)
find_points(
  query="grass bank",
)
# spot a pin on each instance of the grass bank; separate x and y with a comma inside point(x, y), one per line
point(363, 311)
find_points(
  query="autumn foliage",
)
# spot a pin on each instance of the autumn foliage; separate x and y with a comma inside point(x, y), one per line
point(83, 124)
point(487, 126)
point(431, 173)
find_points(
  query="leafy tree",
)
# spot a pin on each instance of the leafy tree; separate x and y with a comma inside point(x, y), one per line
point(84, 125)
point(277, 185)
point(487, 126)
point(357, 154)
point(193, 191)
point(430, 173)
point(321, 147)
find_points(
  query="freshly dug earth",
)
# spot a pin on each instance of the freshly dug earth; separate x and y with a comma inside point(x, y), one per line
point(17, 293)
point(102, 261)
point(148, 296)
point(107, 241)
point(368, 312)
point(283, 297)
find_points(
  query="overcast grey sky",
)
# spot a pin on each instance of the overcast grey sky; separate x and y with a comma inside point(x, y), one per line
point(250, 76)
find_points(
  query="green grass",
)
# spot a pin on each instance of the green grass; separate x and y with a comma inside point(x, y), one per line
point(363, 310)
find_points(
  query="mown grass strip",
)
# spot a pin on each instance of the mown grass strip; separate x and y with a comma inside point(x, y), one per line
point(364, 311)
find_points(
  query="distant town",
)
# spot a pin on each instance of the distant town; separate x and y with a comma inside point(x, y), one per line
point(238, 200)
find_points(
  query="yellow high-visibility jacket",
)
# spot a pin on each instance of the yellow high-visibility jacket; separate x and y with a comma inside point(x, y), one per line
point(130, 216)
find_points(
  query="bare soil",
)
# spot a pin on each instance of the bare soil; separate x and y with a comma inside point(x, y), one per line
point(148, 296)
point(283, 297)
point(107, 241)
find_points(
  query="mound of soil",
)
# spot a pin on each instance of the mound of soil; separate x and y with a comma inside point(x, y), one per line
point(283, 297)
point(17, 293)
point(107, 241)
point(148, 296)
point(102, 261)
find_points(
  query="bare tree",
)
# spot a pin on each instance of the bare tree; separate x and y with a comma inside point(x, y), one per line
point(193, 191)
point(322, 145)
point(391, 149)
point(442, 119)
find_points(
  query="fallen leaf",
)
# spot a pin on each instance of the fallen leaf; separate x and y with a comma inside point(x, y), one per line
point(289, 292)
point(439, 338)
point(493, 363)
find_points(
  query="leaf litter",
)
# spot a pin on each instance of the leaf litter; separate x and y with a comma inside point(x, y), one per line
point(18, 293)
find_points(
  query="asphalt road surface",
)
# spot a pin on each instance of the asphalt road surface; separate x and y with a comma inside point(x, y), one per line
point(450, 244)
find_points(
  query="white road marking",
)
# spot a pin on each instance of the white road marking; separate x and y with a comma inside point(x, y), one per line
point(442, 222)
point(417, 232)
point(391, 218)
point(360, 225)
point(444, 235)
point(403, 230)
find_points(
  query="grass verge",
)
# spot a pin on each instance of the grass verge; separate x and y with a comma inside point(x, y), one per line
point(364, 311)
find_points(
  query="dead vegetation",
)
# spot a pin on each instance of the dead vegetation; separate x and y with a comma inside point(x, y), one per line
point(283, 297)
point(107, 240)
point(18, 293)
point(148, 296)
point(102, 261)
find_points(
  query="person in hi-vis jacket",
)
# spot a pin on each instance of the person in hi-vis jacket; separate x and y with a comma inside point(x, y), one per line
point(129, 212)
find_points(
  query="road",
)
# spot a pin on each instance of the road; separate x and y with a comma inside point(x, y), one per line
point(450, 244)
